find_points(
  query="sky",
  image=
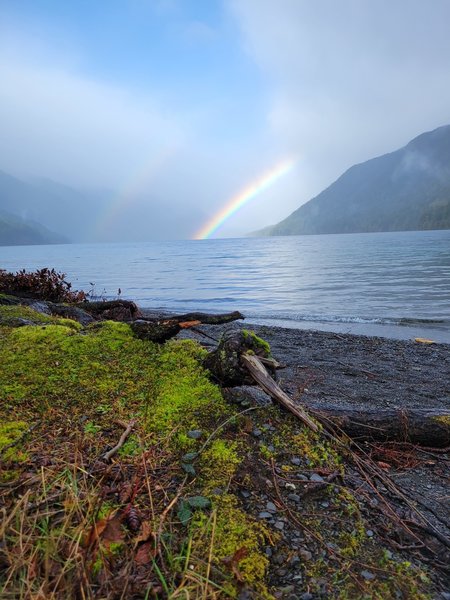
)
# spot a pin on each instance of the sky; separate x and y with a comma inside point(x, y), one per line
point(179, 106)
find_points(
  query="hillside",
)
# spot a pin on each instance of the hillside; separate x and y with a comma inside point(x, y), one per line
point(15, 231)
point(408, 189)
point(56, 206)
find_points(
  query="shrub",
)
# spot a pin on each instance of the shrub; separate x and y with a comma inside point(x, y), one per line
point(44, 284)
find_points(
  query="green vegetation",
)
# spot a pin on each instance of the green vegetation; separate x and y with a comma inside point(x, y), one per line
point(166, 510)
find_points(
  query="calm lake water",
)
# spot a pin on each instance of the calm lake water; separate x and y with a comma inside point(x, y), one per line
point(388, 284)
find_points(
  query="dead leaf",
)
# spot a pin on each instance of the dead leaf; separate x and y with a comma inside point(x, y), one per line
point(113, 532)
point(107, 530)
point(145, 553)
point(146, 532)
point(95, 532)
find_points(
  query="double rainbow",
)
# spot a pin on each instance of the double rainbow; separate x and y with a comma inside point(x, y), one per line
point(247, 194)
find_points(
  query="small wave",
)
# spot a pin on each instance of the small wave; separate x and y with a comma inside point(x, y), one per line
point(348, 319)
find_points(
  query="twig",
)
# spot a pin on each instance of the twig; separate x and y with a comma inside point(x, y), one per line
point(108, 455)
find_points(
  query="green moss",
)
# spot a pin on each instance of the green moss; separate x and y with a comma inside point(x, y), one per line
point(10, 315)
point(318, 451)
point(183, 393)
point(10, 432)
point(257, 341)
point(218, 464)
point(237, 542)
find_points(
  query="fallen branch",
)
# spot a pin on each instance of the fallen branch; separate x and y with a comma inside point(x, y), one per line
point(203, 318)
point(259, 373)
point(160, 330)
point(108, 455)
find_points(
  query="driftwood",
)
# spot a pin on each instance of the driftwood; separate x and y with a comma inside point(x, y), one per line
point(203, 318)
point(262, 377)
point(427, 427)
point(115, 310)
point(160, 330)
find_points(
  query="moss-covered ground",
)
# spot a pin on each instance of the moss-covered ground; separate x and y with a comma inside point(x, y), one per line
point(165, 517)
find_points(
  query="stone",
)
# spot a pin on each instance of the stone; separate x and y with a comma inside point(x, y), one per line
point(195, 434)
point(270, 506)
point(265, 515)
point(316, 478)
point(257, 433)
point(295, 461)
point(294, 497)
point(279, 525)
point(305, 554)
point(367, 575)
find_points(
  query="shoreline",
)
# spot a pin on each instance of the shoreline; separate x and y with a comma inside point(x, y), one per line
point(438, 332)
point(345, 369)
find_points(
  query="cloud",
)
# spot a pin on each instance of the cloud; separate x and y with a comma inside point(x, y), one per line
point(61, 125)
point(349, 80)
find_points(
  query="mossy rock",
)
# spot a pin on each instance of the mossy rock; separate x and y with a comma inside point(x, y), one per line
point(225, 362)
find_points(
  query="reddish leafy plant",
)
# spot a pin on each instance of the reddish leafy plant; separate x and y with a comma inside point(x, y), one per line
point(43, 284)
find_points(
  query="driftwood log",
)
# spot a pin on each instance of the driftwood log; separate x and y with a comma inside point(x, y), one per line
point(427, 427)
point(115, 310)
point(160, 330)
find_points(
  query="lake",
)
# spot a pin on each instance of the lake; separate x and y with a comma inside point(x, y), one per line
point(387, 284)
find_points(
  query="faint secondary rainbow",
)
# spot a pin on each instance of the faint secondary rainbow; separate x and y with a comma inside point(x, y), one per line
point(134, 186)
point(247, 194)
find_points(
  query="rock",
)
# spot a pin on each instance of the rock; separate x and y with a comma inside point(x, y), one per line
point(296, 461)
point(225, 362)
point(71, 312)
point(306, 596)
point(369, 533)
point(270, 507)
point(279, 525)
point(257, 433)
point(40, 307)
point(294, 497)
point(195, 434)
point(367, 575)
point(305, 554)
point(316, 478)
point(265, 515)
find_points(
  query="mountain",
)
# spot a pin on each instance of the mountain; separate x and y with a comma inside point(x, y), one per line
point(408, 189)
point(58, 207)
point(15, 231)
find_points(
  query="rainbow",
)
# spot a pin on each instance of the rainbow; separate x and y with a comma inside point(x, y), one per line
point(247, 194)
